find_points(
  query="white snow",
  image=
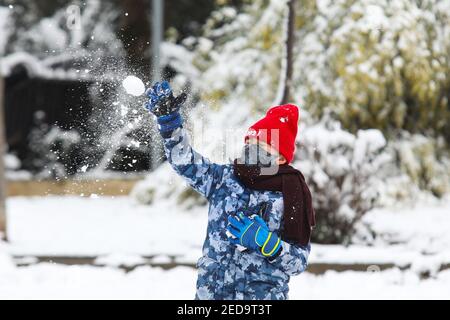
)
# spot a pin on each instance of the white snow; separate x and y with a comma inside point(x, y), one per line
point(49, 31)
point(6, 263)
point(31, 63)
point(50, 281)
point(389, 284)
point(121, 231)
point(4, 30)
point(133, 85)
point(101, 225)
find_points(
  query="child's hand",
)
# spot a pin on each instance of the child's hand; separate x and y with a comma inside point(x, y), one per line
point(253, 233)
point(161, 100)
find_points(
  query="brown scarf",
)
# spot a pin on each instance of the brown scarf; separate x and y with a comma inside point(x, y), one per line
point(299, 216)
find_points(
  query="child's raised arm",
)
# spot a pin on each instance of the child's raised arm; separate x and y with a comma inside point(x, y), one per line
point(199, 172)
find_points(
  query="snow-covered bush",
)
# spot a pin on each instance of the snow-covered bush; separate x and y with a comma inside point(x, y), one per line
point(4, 28)
point(375, 64)
point(378, 64)
point(239, 55)
point(6, 262)
point(11, 162)
point(425, 160)
point(341, 169)
point(419, 168)
point(13, 168)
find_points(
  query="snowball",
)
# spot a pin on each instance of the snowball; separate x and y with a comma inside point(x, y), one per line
point(133, 85)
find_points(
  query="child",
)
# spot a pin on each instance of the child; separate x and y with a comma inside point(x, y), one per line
point(259, 225)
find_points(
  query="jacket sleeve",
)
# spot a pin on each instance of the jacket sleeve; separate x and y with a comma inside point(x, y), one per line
point(293, 259)
point(199, 172)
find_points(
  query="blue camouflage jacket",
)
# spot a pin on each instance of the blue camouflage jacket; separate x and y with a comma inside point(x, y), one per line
point(224, 271)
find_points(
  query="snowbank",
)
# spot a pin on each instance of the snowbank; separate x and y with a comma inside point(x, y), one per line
point(121, 232)
point(4, 30)
point(49, 281)
point(38, 68)
point(6, 262)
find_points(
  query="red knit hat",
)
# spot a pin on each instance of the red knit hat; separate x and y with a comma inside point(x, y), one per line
point(285, 119)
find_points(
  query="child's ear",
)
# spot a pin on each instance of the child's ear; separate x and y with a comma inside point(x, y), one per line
point(281, 160)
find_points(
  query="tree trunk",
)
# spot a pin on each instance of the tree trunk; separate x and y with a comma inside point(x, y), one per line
point(2, 164)
point(285, 89)
point(157, 38)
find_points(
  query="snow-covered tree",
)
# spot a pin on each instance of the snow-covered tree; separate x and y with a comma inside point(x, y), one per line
point(378, 64)
point(365, 74)
point(343, 173)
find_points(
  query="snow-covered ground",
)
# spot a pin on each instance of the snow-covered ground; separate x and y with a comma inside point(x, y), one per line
point(122, 232)
point(93, 226)
point(50, 281)
point(78, 226)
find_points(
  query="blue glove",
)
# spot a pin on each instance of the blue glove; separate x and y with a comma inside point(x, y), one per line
point(165, 106)
point(253, 233)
